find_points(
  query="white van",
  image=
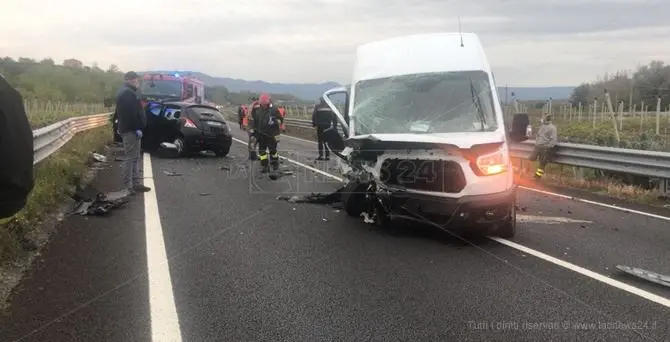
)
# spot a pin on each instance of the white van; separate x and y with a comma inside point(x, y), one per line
point(424, 138)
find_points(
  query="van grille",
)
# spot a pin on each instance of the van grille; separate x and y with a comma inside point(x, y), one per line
point(422, 174)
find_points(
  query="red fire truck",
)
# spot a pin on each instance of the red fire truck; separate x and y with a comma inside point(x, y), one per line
point(171, 87)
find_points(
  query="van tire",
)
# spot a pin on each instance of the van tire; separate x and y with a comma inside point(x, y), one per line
point(507, 229)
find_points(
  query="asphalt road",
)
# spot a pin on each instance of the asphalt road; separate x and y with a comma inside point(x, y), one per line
point(240, 265)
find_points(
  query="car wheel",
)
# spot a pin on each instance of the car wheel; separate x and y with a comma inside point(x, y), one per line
point(222, 152)
point(507, 229)
point(181, 146)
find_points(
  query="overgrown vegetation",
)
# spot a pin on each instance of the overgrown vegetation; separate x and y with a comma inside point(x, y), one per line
point(53, 177)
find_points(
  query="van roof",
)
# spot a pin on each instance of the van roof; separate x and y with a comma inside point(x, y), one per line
point(420, 53)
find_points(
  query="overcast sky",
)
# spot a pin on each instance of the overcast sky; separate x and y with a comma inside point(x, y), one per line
point(528, 42)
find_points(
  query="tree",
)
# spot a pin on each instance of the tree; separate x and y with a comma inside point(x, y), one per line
point(580, 94)
point(73, 63)
point(48, 61)
point(645, 84)
point(113, 69)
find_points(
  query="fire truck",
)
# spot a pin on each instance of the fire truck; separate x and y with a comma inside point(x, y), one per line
point(171, 87)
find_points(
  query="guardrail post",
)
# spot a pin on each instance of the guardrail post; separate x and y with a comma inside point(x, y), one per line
point(578, 172)
point(664, 187)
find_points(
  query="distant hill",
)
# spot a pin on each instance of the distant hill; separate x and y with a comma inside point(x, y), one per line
point(312, 91)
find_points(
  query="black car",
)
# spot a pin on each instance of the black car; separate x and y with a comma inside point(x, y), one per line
point(185, 127)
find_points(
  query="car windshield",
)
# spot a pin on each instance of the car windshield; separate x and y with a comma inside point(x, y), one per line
point(161, 87)
point(444, 102)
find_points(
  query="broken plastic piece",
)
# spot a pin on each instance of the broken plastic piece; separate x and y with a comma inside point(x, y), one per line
point(315, 198)
point(102, 204)
point(646, 275)
point(171, 173)
point(98, 157)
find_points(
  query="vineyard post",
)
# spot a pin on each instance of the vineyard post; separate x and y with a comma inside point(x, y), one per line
point(658, 115)
point(613, 117)
point(621, 115)
point(579, 111)
point(642, 114)
point(595, 112)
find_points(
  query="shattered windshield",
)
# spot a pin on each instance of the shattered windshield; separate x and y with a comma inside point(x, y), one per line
point(440, 102)
point(161, 87)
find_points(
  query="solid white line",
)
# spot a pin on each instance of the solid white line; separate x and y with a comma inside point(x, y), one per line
point(323, 173)
point(593, 275)
point(299, 139)
point(610, 206)
point(583, 271)
point(164, 319)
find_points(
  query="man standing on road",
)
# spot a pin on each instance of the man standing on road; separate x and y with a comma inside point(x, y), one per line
point(265, 124)
point(545, 141)
point(16, 155)
point(132, 122)
point(323, 118)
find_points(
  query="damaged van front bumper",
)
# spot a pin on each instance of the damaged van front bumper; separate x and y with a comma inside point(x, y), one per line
point(467, 212)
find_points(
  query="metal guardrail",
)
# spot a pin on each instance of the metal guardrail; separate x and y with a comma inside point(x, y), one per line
point(629, 161)
point(49, 139)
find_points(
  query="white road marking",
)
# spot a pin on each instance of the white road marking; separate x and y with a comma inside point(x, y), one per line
point(164, 319)
point(323, 173)
point(610, 206)
point(548, 219)
point(572, 267)
point(593, 275)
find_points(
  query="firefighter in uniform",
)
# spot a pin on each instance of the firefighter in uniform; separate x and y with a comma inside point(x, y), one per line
point(545, 141)
point(253, 142)
point(265, 124)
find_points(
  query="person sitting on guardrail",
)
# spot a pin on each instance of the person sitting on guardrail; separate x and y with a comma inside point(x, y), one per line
point(545, 141)
point(323, 118)
point(17, 156)
point(132, 121)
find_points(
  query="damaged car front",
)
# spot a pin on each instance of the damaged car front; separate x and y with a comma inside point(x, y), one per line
point(424, 140)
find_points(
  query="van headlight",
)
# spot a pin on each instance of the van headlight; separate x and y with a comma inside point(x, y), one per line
point(492, 163)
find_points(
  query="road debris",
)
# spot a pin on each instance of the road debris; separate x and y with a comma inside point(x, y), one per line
point(171, 173)
point(646, 275)
point(314, 198)
point(97, 157)
point(100, 205)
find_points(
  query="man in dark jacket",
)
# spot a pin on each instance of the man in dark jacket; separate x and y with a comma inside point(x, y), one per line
point(323, 118)
point(16, 156)
point(265, 123)
point(132, 122)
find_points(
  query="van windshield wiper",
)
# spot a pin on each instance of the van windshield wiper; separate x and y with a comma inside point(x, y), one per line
point(478, 105)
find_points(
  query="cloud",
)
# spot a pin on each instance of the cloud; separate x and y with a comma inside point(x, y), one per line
point(529, 42)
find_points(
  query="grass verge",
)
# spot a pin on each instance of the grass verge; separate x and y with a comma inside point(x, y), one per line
point(54, 176)
point(558, 176)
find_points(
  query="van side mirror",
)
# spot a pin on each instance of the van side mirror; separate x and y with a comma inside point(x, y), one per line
point(520, 122)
